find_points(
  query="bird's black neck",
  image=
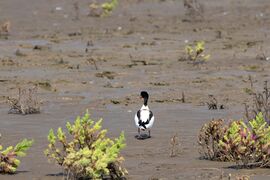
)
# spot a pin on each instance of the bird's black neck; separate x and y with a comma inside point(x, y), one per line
point(145, 101)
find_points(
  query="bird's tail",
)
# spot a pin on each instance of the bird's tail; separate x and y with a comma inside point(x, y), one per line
point(143, 124)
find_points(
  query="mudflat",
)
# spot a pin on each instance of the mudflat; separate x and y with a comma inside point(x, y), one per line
point(101, 64)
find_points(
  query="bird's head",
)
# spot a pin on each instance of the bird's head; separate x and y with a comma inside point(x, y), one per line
point(144, 95)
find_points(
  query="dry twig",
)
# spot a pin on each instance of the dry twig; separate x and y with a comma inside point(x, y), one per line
point(26, 103)
point(174, 145)
point(5, 28)
point(261, 102)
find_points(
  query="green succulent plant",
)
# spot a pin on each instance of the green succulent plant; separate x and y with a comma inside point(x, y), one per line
point(248, 144)
point(108, 7)
point(8, 157)
point(87, 152)
point(208, 140)
point(195, 53)
point(102, 9)
point(238, 143)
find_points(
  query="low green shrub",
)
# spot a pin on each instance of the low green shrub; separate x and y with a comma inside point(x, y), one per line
point(87, 153)
point(108, 7)
point(103, 9)
point(8, 157)
point(247, 144)
point(196, 53)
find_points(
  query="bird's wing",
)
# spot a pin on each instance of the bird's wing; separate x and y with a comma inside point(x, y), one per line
point(139, 114)
point(151, 115)
point(137, 118)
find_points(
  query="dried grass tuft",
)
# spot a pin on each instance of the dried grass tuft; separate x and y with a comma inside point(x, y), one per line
point(26, 102)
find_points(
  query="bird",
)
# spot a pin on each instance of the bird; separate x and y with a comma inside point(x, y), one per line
point(144, 118)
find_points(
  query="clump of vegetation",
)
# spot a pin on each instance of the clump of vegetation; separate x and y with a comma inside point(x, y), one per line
point(104, 9)
point(248, 144)
point(213, 103)
point(261, 102)
point(108, 7)
point(195, 53)
point(242, 177)
point(5, 28)
point(194, 9)
point(210, 135)
point(106, 74)
point(262, 55)
point(46, 85)
point(8, 157)
point(87, 153)
point(252, 68)
point(26, 102)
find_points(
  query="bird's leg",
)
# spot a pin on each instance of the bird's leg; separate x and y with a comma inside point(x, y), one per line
point(139, 131)
point(149, 133)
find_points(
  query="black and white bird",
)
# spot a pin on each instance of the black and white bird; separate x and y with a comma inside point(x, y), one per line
point(144, 118)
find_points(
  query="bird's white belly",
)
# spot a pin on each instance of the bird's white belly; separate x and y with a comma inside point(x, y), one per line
point(144, 116)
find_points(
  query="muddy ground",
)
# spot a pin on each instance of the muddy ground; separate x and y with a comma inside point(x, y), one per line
point(138, 47)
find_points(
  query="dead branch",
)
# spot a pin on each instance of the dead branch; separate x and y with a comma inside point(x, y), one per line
point(26, 103)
